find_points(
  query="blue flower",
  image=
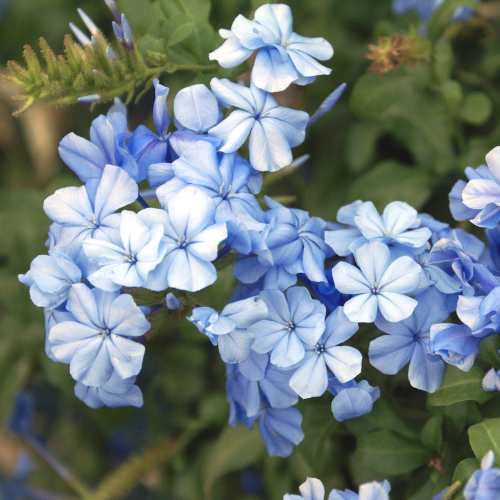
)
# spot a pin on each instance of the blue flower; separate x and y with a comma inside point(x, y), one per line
point(280, 429)
point(273, 129)
point(97, 343)
point(115, 392)
point(229, 329)
point(197, 111)
point(425, 8)
point(172, 302)
point(312, 489)
point(367, 491)
point(146, 146)
point(352, 399)
point(89, 211)
point(485, 483)
point(283, 57)
point(106, 147)
point(456, 344)
point(483, 193)
point(296, 243)
point(310, 379)
point(256, 382)
point(457, 207)
point(392, 228)
point(226, 178)
point(408, 341)
point(50, 278)
point(293, 322)
point(491, 381)
point(378, 284)
point(463, 252)
point(191, 238)
point(141, 250)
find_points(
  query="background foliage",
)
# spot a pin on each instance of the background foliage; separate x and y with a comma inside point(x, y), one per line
point(405, 135)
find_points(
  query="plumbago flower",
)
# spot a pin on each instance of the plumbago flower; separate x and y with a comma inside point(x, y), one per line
point(196, 110)
point(378, 284)
point(393, 228)
point(296, 243)
point(50, 278)
point(408, 341)
point(313, 489)
point(97, 343)
point(273, 129)
point(89, 211)
point(483, 194)
point(229, 330)
point(484, 484)
point(106, 147)
point(425, 8)
point(293, 321)
point(310, 379)
point(283, 56)
point(227, 179)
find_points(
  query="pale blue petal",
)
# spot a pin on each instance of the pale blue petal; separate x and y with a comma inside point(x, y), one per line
point(344, 362)
point(233, 131)
point(426, 371)
point(368, 221)
point(91, 364)
point(395, 306)
point(288, 351)
point(81, 156)
point(480, 192)
point(160, 113)
point(351, 403)
point(362, 308)
point(196, 108)
point(373, 259)
point(390, 353)
point(231, 53)
point(271, 73)
point(126, 355)
point(402, 276)
point(349, 279)
point(310, 379)
point(232, 94)
point(276, 388)
point(69, 205)
point(66, 337)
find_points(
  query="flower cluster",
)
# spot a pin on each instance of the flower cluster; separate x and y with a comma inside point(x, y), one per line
point(304, 285)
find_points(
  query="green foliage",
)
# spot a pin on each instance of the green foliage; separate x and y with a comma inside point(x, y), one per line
point(460, 386)
point(404, 135)
point(485, 437)
point(386, 452)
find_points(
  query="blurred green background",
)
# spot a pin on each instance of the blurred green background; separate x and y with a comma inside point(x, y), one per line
point(406, 135)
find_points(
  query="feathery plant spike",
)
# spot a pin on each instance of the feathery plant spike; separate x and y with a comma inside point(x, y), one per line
point(92, 70)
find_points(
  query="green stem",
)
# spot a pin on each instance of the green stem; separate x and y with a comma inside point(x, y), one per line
point(452, 490)
point(62, 470)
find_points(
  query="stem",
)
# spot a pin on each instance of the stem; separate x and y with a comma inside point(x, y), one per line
point(62, 470)
point(124, 479)
point(142, 201)
point(452, 490)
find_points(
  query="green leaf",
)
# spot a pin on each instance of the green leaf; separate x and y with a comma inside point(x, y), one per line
point(235, 449)
point(485, 437)
point(442, 16)
point(432, 434)
point(180, 34)
point(460, 386)
point(373, 94)
point(443, 60)
point(361, 145)
point(389, 181)
point(453, 94)
point(385, 451)
point(197, 9)
point(477, 108)
point(463, 472)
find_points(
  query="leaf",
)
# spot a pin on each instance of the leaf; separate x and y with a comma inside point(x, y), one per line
point(197, 9)
point(373, 94)
point(383, 416)
point(432, 434)
point(460, 386)
point(463, 472)
point(385, 451)
point(489, 350)
point(235, 449)
point(389, 181)
point(442, 16)
point(361, 145)
point(485, 437)
point(443, 60)
point(180, 34)
point(477, 108)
